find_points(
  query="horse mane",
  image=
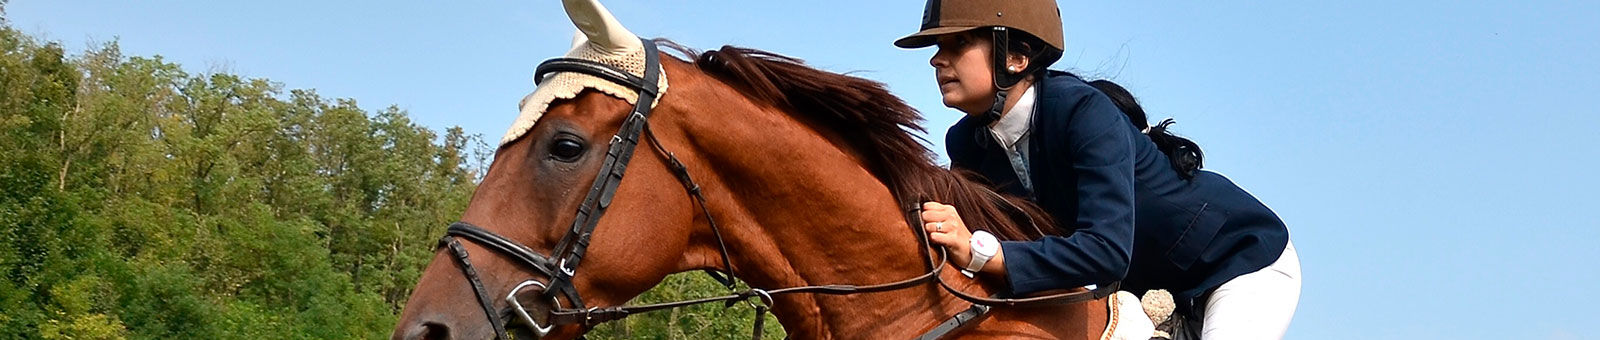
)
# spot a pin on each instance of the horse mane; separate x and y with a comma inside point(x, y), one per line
point(879, 126)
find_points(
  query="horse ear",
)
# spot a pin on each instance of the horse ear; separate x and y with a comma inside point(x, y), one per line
point(602, 29)
point(578, 39)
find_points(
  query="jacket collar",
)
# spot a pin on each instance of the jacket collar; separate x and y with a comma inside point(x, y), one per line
point(1016, 122)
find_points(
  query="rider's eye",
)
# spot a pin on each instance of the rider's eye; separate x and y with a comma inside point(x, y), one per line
point(953, 42)
point(566, 148)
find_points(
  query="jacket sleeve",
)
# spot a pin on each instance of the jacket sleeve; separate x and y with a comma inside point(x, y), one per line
point(1099, 143)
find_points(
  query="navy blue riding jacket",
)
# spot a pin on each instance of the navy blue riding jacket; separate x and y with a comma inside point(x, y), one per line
point(1130, 216)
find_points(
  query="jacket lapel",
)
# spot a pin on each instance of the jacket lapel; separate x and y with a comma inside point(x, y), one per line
point(1046, 106)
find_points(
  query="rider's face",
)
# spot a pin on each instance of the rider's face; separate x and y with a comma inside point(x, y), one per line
point(963, 71)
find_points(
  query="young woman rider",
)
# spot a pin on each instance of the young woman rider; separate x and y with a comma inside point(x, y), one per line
point(1133, 214)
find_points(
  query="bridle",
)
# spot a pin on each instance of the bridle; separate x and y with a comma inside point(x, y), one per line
point(568, 253)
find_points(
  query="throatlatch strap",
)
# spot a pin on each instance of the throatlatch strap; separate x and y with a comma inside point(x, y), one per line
point(729, 280)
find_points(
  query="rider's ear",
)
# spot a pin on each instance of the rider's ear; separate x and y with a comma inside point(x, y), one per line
point(1017, 61)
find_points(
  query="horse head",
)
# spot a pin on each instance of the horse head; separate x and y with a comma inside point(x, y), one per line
point(750, 164)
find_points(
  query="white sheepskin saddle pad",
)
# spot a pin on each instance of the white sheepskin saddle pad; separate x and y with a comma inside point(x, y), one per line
point(1128, 320)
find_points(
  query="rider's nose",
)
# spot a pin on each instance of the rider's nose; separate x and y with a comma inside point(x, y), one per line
point(424, 331)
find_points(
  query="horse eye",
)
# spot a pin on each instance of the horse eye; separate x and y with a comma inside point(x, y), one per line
point(566, 149)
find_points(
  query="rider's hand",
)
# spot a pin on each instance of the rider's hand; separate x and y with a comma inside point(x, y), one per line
point(945, 228)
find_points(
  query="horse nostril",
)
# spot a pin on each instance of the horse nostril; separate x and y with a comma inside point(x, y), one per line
point(428, 331)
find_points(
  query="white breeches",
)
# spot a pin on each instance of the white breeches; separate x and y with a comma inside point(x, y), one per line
point(1257, 305)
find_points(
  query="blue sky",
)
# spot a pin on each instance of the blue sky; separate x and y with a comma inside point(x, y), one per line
point(1435, 160)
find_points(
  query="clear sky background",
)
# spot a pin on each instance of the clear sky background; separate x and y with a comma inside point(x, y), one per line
point(1435, 160)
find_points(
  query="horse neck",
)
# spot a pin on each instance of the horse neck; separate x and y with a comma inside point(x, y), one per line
point(800, 210)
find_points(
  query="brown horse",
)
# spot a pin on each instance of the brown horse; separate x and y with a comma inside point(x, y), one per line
point(772, 143)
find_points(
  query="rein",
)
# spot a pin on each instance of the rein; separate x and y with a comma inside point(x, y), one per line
point(568, 253)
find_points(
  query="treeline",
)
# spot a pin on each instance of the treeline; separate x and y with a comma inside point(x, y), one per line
point(142, 201)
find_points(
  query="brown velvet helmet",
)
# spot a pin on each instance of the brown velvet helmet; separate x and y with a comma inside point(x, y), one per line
point(1039, 18)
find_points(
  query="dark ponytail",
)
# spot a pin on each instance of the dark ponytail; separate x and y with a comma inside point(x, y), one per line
point(1184, 153)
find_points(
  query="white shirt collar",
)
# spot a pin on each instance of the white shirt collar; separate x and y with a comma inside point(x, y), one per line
point(1014, 124)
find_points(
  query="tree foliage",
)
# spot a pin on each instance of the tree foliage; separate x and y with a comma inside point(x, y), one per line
point(142, 201)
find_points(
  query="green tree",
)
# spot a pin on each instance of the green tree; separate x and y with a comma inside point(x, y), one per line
point(142, 201)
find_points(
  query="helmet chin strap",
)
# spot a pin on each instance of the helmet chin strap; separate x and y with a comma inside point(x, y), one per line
point(993, 115)
point(1003, 80)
